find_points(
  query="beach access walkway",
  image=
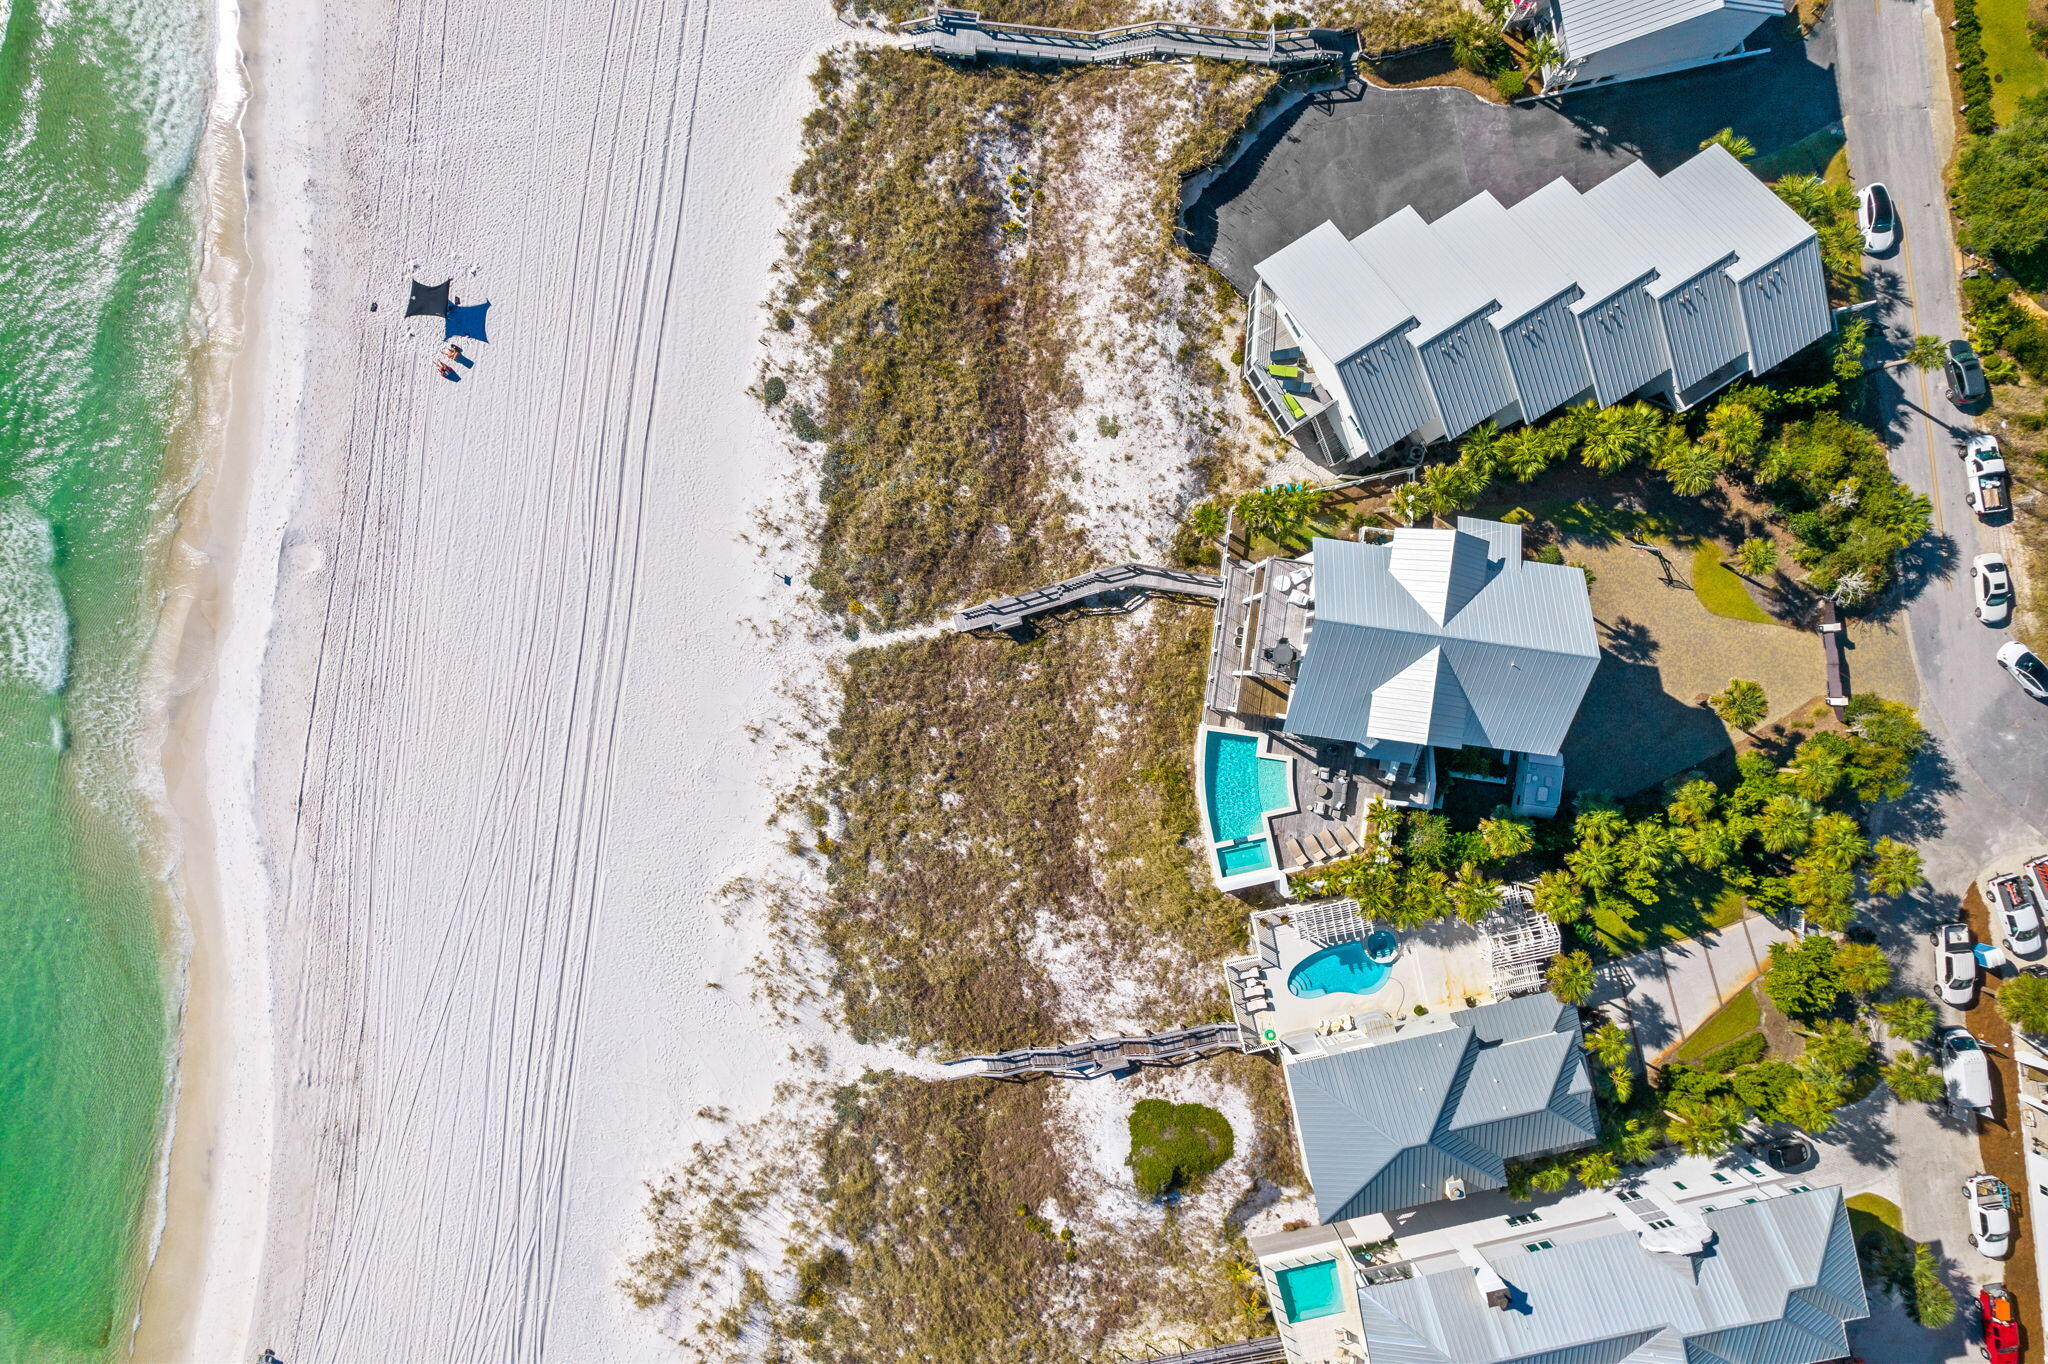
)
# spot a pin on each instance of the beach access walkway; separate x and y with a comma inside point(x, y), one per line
point(1100, 1056)
point(1102, 587)
point(964, 35)
point(1265, 1350)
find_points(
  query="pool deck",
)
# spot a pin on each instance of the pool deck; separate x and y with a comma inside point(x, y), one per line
point(1441, 966)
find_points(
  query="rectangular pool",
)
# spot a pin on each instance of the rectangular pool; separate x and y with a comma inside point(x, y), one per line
point(1308, 1291)
point(1238, 858)
point(1240, 786)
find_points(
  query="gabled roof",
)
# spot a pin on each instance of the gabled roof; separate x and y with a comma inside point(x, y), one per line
point(1639, 207)
point(1447, 638)
point(1589, 26)
point(1567, 230)
point(1773, 1286)
point(1332, 294)
point(1746, 212)
point(1383, 1126)
point(1435, 282)
point(1492, 245)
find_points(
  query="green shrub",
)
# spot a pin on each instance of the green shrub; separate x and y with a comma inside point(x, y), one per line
point(801, 424)
point(2001, 192)
point(773, 389)
point(1973, 74)
point(1743, 1051)
point(1511, 84)
point(1174, 1145)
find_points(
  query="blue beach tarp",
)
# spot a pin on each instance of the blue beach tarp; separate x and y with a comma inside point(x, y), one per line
point(467, 320)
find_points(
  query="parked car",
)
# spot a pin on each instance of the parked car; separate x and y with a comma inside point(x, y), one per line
point(1989, 486)
point(1966, 386)
point(1955, 961)
point(1878, 220)
point(2019, 915)
point(1991, 581)
point(2026, 668)
point(1788, 1153)
point(2001, 1324)
point(1990, 1215)
point(1966, 1070)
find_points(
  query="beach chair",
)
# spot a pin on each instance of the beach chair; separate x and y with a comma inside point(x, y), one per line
point(1284, 371)
point(1293, 405)
point(1296, 855)
point(1291, 355)
point(1329, 847)
point(1346, 840)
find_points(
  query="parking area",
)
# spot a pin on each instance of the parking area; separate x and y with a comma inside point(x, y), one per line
point(1358, 155)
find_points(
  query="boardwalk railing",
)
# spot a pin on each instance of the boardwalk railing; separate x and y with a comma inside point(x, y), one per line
point(1007, 613)
point(1100, 1056)
point(964, 33)
point(1264, 1351)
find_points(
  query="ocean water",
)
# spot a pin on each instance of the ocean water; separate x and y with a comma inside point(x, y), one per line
point(102, 104)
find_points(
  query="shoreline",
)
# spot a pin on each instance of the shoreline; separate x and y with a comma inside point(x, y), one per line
point(210, 1195)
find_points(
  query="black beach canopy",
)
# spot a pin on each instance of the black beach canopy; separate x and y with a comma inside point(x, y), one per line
point(428, 300)
point(467, 320)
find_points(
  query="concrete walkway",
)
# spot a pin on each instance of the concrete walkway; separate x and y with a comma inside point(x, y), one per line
point(1668, 991)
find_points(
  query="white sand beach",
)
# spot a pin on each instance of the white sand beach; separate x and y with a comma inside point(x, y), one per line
point(473, 759)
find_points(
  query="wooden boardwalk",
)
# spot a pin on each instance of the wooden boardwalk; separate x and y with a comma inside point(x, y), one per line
point(1121, 583)
point(965, 35)
point(1100, 1056)
point(1267, 1350)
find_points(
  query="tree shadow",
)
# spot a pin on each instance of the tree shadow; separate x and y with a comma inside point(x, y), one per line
point(1919, 815)
point(1628, 640)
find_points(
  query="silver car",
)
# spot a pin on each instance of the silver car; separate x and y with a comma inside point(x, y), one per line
point(2019, 918)
point(1991, 582)
point(1955, 961)
point(2026, 668)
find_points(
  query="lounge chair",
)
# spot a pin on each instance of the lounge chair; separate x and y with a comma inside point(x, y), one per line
point(1290, 355)
point(1288, 400)
point(1284, 371)
point(1296, 855)
point(1330, 847)
point(1346, 840)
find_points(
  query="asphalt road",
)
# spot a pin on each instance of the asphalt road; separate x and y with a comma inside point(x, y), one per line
point(1984, 797)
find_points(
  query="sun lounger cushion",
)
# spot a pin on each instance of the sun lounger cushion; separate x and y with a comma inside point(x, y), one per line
point(1293, 404)
point(1284, 371)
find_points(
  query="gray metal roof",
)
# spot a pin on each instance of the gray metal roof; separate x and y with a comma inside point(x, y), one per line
point(1567, 229)
point(1774, 1286)
point(1589, 26)
point(1745, 211)
point(1445, 638)
point(1332, 294)
point(1383, 1126)
point(1638, 206)
point(1495, 249)
point(1434, 280)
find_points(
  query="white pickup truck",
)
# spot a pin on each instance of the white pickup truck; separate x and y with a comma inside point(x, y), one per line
point(1984, 468)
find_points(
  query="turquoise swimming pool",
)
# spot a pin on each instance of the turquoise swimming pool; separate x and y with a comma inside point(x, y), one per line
point(1308, 1291)
point(1239, 858)
point(1346, 969)
point(1239, 786)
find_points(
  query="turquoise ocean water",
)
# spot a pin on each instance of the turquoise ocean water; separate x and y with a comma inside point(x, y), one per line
point(102, 104)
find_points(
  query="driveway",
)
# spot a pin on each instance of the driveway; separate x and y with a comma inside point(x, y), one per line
point(1356, 156)
point(1666, 992)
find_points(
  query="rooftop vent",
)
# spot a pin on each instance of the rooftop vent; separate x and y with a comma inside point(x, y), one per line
point(1454, 1189)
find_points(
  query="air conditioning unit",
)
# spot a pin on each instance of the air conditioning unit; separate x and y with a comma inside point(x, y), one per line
point(1454, 1189)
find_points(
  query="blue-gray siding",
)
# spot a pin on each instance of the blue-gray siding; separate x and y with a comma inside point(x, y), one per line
point(1625, 343)
point(1785, 307)
point(1546, 358)
point(1469, 375)
point(1385, 386)
point(1702, 326)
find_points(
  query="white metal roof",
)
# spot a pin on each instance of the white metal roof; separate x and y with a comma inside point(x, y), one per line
point(1439, 288)
point(1332, 294)
point(1589, 26)
point(1496, 249)
point(1638, 206)
point(1746, 212)
point(1558, 219)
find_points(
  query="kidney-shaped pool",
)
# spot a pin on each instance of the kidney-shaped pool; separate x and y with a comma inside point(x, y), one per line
point(1349, 968)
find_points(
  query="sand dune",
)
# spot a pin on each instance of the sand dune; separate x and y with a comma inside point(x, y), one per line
point(500, 764)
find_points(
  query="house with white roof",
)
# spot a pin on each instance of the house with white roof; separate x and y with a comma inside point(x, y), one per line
point(1692, 1259)
point(1605, 41)
point(1665, 289)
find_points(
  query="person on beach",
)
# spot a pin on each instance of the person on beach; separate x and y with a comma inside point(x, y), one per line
point(448, 373)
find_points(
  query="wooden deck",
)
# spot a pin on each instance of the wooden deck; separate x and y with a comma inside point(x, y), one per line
point(1102, 585)
point(963, 35)
point(1100, 1056)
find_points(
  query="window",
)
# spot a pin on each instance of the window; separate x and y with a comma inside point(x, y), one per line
point(1631, 1195)
point(1533, 1246)
point(1523, 1219)
point(1808, 1188)
point(1720, 1178)
point(1749, 1200)
point(1660, 1223)
point(1752, 1170)
point(1677, 1183)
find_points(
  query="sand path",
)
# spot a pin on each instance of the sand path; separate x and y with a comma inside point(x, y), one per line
point(500, 766)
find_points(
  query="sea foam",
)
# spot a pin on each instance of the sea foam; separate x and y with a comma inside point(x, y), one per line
point(35, 632)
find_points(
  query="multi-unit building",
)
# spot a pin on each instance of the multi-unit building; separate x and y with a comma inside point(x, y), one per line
point(1605, 41)
point(1660, 288)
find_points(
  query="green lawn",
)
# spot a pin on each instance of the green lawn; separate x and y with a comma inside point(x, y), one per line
point(1720, 588)
point(1810, 155)
point(2016, 69)
point(1737, 1018)
point(1681, 914)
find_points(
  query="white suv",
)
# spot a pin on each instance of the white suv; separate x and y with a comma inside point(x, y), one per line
point(1955, 961)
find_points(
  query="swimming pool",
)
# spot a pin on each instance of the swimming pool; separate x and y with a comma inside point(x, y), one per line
point(1240, 786)
point(1239, 858)
point(1346, 969)
point(1308, 1291)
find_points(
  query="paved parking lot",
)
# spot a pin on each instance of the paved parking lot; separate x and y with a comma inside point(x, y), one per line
point(1358, 155)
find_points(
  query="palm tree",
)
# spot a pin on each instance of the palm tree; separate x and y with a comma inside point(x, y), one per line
point(1908, 1018)
point(1741, 148)
point(1570, 977)
point(1757, 557)
point(1784, 823)
point(1704, 1127)
point(1694, 802)
point(1609, 1043)
point(1743, 705)
point(1926, 352)
point(1894, 868)
point(1913, 1079)
point(2024, 1002)
point(1505, 838)
point(1736, 427)
point(1544, 53)
point(1557, 897)
point(1600, 824)
point(1692, 467)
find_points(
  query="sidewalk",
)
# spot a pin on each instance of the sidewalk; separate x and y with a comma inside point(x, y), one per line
point(1668, 991)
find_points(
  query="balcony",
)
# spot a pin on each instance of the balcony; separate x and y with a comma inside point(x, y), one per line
point(1293, 395)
